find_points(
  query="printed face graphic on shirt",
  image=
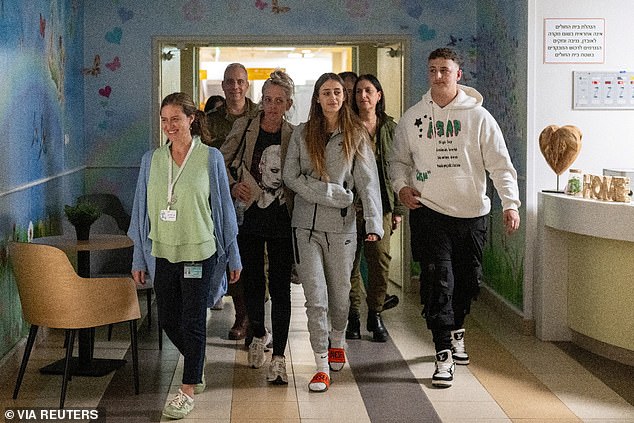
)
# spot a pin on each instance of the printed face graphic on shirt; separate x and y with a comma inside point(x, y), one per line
point(271, 182)
point(271, 167)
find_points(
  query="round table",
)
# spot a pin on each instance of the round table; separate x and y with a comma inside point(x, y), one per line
point(85, 364)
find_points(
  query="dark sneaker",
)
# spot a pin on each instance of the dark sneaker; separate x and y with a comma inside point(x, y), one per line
point(443, 376)
point(458, 351)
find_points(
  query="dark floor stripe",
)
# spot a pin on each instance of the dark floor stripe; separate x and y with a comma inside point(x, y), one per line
point(389, 389)
point(617, 376)
point(156, 369)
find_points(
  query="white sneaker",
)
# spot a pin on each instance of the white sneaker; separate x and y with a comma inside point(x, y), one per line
point(256, 357)
point(458, 351)
point(277, 371)
point(443, 376)
point(179, 407)
point(200, 387)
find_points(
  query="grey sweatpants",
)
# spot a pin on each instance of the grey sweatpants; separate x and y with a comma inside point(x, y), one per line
point(324, 263)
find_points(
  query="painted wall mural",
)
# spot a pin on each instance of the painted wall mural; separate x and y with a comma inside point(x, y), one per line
point(502, 69)
point(41, 125)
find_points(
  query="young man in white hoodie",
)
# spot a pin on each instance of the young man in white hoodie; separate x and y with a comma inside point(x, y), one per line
point(443, 147)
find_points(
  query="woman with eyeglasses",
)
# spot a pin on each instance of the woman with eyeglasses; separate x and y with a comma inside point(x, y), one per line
point(254, 155)
point(329, 161)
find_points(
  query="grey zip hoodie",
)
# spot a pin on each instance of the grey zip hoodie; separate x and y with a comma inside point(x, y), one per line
point(327, 206)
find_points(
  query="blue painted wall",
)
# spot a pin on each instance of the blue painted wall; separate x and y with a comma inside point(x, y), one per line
point(41, 127)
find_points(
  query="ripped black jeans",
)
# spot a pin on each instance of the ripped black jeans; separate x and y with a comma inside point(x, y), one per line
point(449, 250)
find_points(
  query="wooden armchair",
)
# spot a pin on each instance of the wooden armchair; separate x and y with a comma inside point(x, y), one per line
point(53, 295)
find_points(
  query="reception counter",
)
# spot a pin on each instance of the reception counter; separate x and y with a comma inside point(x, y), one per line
point(585, 274)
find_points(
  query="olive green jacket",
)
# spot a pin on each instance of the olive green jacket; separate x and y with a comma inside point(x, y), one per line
point(384, 139)
point(221, 121)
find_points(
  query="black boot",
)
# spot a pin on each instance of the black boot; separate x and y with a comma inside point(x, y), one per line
point(240, 326)
point(376, 326)
point(353, 330)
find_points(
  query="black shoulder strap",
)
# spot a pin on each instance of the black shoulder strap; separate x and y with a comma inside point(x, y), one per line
point(242, 146)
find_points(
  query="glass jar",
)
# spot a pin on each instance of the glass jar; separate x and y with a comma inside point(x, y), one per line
point(575, 183)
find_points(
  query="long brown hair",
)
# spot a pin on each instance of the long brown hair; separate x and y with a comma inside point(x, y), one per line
point(316, 129)
point(199, 125)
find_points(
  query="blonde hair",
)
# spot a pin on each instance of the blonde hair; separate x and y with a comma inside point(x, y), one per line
point(281, 79)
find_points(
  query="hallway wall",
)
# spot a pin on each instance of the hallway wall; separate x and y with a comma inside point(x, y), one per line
point(608, 140)
point(119, 109)
point(501, 67)
point(41, 130)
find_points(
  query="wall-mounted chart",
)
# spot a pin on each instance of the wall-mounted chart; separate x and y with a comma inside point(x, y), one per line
point(603, 90)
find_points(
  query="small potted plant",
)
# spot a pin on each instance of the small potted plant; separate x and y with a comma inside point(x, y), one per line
point(82, 216)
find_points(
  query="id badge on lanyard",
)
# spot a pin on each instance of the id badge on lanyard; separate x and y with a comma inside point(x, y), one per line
point(193, 271)
point(168, 215)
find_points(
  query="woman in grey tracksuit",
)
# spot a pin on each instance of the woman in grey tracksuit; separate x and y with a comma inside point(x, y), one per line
point(329, 161)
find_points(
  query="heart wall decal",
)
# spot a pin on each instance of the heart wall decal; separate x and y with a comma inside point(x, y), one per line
point(560, 146)
point(114, 36)
point(105, 91)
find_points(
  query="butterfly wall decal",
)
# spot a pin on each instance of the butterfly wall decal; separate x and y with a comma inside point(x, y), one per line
point(261, 4)
point(454, 41)
point(276, 8)
point(115, 64)
point(96, 67)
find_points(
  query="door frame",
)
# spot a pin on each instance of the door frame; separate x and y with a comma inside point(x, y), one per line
point(292, 40)
point(281, 40)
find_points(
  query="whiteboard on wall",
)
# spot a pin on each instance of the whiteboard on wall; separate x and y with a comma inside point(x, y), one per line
point(603, 90)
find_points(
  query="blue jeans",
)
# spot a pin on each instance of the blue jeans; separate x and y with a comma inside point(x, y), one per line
point(182, 311)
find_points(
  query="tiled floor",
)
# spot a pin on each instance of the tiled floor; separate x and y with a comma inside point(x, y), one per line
point(511, 378)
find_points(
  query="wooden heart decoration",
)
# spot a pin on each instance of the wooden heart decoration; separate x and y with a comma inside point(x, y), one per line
point(560, 146)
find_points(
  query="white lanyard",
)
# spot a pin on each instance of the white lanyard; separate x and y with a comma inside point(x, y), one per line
point(172, 182)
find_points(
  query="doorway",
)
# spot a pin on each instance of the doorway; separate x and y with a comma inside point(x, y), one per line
point(196, 66)
point(303, 63)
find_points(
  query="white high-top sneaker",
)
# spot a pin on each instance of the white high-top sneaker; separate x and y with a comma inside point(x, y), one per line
point(458, 351)
point(443, 376)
